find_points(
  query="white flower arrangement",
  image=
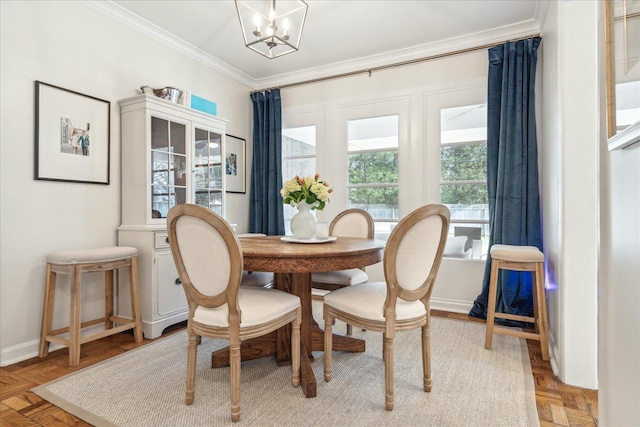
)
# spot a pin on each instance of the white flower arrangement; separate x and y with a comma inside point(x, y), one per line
point(312, 190)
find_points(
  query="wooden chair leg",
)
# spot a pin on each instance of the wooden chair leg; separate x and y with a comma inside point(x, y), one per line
point(192, 352)
point(108, 299)
point(234, 363)
point(388, 372)
point(47, 310)
point(426, 354)
point(542, 312)
point(328, 343)
point(295, 349)
point(349, 329)
point(491, 310)
point(75, 317)
point(136, 311)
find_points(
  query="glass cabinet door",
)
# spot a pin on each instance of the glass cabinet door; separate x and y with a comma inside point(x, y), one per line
point(168, 166)
point(208, 170)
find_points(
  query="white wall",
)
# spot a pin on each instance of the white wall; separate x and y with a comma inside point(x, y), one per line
point(570, 186)
point(71, 45)
point(412, 90)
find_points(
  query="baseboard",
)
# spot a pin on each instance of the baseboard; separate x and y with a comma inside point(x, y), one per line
point(553, 356)
point(451, 305)
point(30, 349)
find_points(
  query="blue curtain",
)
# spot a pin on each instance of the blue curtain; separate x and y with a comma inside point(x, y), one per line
point(512, 170)
point(265, 204)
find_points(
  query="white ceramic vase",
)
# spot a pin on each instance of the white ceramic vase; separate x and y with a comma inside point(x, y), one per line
point(303, 224)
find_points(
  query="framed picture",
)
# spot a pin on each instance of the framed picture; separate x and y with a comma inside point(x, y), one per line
point(235, 164)
point(71, 136)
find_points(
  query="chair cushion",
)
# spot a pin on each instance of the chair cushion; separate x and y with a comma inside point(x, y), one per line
point(92, 255)
point(349, 277)
point(258, 306)
point(256, 278)
point(366, 300)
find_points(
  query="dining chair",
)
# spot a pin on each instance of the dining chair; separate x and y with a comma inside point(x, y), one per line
point(209, 261)
point(411, 261)
point(348, 223)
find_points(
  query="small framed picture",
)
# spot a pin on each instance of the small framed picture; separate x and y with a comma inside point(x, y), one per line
point(72, 133)
point(235, 164)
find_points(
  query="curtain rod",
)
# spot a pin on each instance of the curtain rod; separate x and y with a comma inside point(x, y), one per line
point(397, 64)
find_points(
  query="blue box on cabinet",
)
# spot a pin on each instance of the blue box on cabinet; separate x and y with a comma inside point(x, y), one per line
point(203, 105)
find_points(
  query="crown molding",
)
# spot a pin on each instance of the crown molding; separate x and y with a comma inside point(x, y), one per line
point(162, 36)
point(469, 41)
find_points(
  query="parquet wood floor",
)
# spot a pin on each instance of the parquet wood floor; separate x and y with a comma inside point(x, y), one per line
point(558, 404)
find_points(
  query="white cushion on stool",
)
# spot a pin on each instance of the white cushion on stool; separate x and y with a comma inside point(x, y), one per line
point(516, 253)
point(349, 277)
point(89, 256)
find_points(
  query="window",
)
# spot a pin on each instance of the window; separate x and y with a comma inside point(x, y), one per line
point(298, 158)
point(463, 176)
point(372, 156)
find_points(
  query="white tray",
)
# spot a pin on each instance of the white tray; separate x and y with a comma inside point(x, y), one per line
point(292, 239)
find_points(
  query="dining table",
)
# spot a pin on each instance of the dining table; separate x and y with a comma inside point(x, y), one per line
point(293, 261)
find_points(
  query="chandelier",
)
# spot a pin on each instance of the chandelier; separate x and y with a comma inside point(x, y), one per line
point(269, 31)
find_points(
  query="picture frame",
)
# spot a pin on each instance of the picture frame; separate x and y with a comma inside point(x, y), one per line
point(235, 164)
point(72, 136)
point(622, 62)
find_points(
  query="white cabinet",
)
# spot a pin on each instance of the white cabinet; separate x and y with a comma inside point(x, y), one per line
point(171, 154)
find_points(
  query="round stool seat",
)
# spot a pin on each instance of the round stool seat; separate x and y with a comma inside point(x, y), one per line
point(516, 253)
point(92, 255)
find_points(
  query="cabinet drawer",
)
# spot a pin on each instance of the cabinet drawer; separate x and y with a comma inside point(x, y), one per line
point(162, 240)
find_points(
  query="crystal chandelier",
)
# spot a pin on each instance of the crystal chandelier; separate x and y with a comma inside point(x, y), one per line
point(269, 31)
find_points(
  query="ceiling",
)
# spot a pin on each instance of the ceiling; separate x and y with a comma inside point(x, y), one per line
point(338, 36)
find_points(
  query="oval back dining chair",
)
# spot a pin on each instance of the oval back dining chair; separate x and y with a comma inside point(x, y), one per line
point(411, 261)
point(348, 223)
point(209, 261)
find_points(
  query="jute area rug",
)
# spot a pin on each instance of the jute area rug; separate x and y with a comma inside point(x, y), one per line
point(471, 386)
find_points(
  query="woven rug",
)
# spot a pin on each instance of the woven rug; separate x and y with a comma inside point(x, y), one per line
point(471, 386)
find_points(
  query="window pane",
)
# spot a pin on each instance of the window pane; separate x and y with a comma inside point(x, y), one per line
point(300, 167)
point(476, 244)
point(465, 195)
point(375, 167)
point(178, 169)
point(159, 134)
point(178, 136)
point(214, 147)
point(466, 123)
point(380, 202)
point(159, 168)
point(215, 177)
point(373, 133)
point(463, 162)
point(299, 141)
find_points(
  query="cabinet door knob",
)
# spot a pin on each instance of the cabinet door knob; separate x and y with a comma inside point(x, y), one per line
point(178, 281)
point(166, 239)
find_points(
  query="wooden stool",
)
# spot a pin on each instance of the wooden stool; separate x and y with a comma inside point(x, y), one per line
point(519, 258)
point(75, 263)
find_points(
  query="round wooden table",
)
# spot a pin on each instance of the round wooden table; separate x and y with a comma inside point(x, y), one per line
point(293, 264)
